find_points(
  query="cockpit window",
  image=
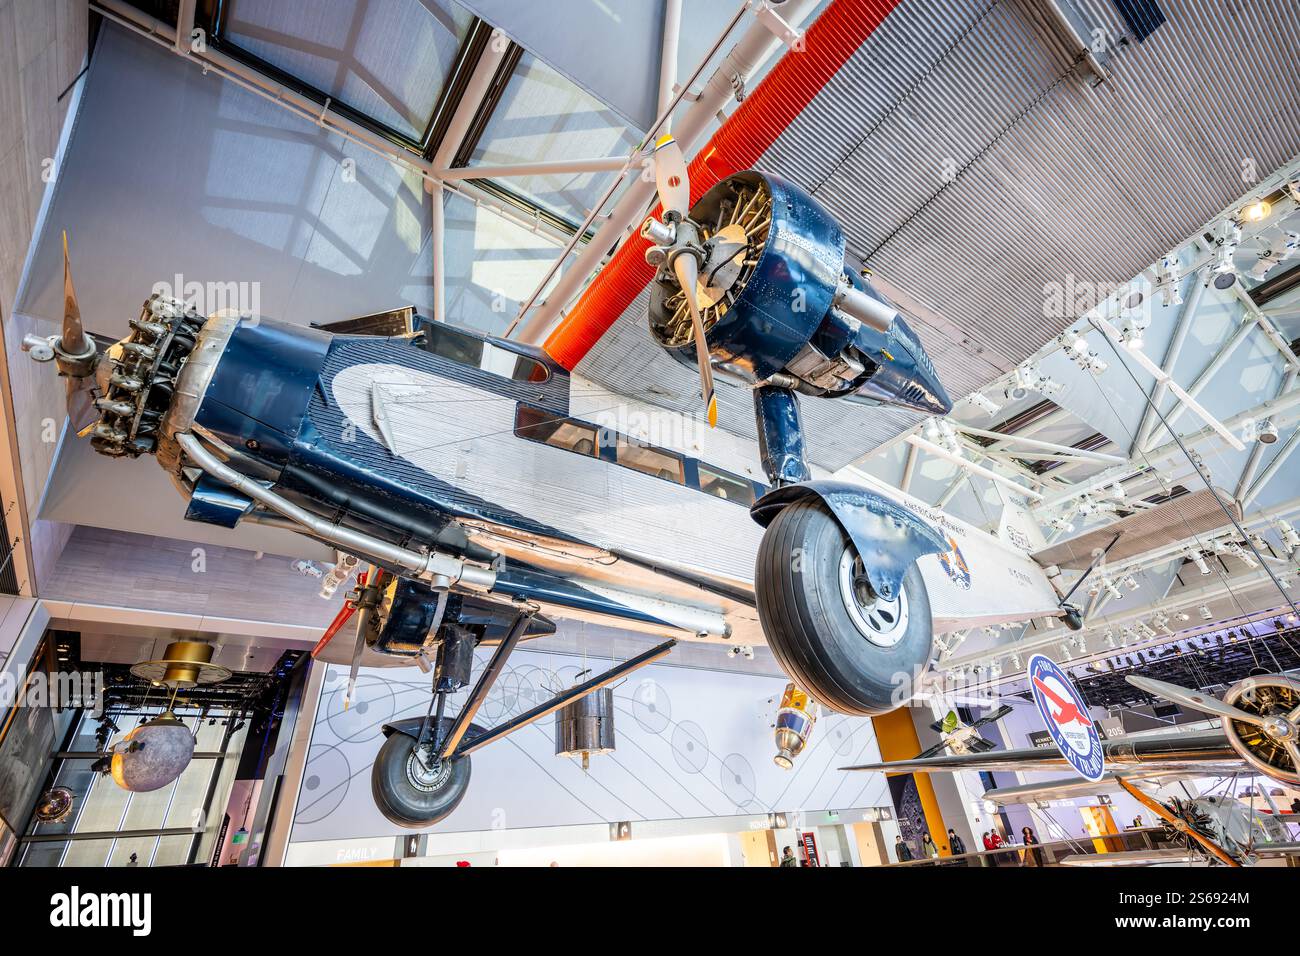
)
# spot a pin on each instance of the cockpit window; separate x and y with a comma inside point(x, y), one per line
point(457, 346)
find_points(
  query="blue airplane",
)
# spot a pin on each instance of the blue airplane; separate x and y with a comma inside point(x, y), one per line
point(487, 487)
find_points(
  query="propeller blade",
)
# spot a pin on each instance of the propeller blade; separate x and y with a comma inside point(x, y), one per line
point(74, 337)
point(671, 178)
point(1193, 699)
point(688, 272)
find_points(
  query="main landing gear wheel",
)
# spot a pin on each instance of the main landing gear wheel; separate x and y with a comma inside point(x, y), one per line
point(416, 790)
point(834, 638)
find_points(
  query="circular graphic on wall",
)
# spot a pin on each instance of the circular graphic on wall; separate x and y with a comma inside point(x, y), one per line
point(532, 686)
point(372, 706)
point(325, 782)
point(690, 746)
point(738, 781)
point(651, 706)
point(841, 737)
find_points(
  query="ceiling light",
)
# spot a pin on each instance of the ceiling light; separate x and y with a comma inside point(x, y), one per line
point(1205, 613)
point(1266, 432)
point(1290, 538)
point(1257, 211)
point(1199, 560)
point(1227, 236)
point(1277, 252)
point(1169, 280)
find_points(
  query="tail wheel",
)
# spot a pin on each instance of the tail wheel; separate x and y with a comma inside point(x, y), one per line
point(830, 633)
point(416, 789)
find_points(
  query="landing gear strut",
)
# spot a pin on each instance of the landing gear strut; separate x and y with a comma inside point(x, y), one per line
point(852, 637)
point(422, 771)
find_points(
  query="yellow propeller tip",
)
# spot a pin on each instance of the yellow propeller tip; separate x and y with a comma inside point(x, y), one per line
point(713, 412)
point(663, 140)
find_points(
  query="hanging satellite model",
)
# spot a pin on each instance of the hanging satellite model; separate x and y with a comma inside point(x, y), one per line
point(794, 724)
point(586, 726)
point(158, 751)
point(55, 805)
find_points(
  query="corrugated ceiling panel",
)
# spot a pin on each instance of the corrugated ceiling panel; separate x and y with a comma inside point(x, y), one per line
point(971, 167)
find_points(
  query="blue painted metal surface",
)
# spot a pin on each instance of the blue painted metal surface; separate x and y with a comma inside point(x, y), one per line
point(213, 502)
point(887, 536)
point(780, 435)
point(258, 395)
point(790, 291)
point(787, 304)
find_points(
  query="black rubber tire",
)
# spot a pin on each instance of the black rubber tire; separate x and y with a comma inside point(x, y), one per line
point(1073, 618)
point(399, 800)
point(809, 629)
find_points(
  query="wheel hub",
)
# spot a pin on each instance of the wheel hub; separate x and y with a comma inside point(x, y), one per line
point(883, 623)
point(426, 776)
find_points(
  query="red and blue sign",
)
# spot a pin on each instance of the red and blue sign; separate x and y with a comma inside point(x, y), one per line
point(1066, 715)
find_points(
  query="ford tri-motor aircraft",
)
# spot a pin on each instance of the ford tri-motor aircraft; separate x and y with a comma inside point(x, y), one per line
point(488, 487)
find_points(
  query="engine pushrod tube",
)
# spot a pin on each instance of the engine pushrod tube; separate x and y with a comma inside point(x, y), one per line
point(576, 692)
point(343, 538)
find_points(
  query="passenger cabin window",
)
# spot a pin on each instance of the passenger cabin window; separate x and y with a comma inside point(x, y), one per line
point(651, 461)
point(534, 424)
point(537, 425)
point(451, 343)
point(722, 485)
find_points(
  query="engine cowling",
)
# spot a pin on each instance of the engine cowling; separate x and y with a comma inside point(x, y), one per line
point(779, 306)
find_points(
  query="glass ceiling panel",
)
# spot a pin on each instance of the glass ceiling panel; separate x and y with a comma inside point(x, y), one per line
point(388, 60)
point(544, 117)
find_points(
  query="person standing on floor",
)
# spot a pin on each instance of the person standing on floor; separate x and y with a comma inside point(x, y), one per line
point(955, 843)
point(1033, 849)
point(901, 850)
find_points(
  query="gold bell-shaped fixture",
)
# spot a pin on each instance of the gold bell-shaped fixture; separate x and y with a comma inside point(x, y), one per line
point(794, 724)
point(183, 664)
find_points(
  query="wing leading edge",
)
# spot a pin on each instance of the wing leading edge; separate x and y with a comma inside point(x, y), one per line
point(1207, 752)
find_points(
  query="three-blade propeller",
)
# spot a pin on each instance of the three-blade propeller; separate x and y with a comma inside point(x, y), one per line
point(673, 184)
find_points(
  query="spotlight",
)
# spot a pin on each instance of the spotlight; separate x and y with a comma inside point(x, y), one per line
point(1076, 347)
point(1199, 560)
point(1168, 281)
point(1016, 662)
point(984, 403)
point(1290, 538)
point(1132, 332)
point(1130, 582)
point(1027, 378)
point(1183, 616)
point(1062, 524)
point(1266, 432)
point(1275, 254)
point(1227, 236)
point(1257, 211)
point(1205, 613)
point(1111, 589)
